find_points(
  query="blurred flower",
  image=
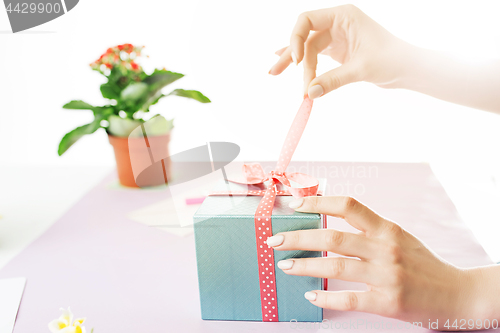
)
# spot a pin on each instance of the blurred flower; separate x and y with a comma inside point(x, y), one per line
point(65, 323)
point(121, 56)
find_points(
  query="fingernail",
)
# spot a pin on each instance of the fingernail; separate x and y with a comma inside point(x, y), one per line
point(285, 264)
point(294, 58)
point(296, 203)
point(310, 296)
point(315, 91)
point(275, 240)
point(271, 70)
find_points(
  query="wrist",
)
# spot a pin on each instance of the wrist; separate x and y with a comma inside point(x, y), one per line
point(483, 292)
point(403, 66)
point(416, 71)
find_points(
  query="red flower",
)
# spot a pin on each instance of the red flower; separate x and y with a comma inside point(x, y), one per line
point(129, 48)
point(112, 57)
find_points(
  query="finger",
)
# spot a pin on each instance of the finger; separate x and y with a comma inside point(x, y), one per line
point(347, 208)
point(280, 51)
point(283, 62)
point(344, 243)
point(364, 301)
point(332, 268)
point(314, 45)
point(316, 20)
point(334, 79)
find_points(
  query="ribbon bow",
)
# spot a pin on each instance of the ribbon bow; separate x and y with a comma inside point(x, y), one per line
point(254, 174)
point(308, 186)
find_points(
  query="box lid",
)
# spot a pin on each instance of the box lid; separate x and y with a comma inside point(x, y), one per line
point(245, 206)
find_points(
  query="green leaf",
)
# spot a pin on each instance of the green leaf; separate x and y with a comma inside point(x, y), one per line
point(109, 91)
point(122, 127)
point(104, 110)
point(196, 95)
point(156, 98)
point(156, 81)
point(116, 73)
point(78, 105)
point(158, 125)
point(71, 137)
point(134, 91)
point(161, 78)
point(152, 99)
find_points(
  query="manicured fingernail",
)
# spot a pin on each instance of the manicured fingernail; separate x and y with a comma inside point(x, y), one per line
point(296, 203)
point(294, 58)
point(275, 240)
point(271, 70)
point(310, 296)
point(315, 91)
point(285, 264)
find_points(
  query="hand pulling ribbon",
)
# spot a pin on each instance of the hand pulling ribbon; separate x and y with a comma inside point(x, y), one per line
point(254, 174)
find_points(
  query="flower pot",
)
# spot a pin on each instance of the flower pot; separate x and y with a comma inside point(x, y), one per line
point(142, 162)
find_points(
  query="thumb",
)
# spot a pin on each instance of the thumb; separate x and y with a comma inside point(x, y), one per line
point(336, 78)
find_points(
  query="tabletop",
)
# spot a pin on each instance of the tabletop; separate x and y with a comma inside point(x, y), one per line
point(127, 277)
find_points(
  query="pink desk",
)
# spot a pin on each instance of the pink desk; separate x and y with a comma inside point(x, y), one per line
point(129, 278)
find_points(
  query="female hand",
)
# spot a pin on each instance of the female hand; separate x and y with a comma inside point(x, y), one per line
point(368, 52)
point(365, 49)
point(405, 279)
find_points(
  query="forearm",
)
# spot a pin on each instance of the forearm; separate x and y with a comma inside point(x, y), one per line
point(436, 74)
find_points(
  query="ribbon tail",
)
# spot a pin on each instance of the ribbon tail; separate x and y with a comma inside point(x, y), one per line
point(253, 174)
point(265, 255)
point(308, 185)
point(294, 135)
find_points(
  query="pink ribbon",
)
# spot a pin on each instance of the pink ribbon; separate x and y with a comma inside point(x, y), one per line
point(254, 174)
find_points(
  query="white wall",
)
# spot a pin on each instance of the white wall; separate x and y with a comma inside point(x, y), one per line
point(226, 49)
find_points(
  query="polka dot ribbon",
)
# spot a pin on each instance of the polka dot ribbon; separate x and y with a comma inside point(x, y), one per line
point(254, 174)
point(265, 255)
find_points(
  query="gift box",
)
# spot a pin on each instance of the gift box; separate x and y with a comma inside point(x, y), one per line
point(227, 252)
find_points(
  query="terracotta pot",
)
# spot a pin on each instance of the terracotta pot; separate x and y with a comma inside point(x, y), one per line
point(142, 162)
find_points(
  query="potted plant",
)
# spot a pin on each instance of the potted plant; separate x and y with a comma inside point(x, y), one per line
point(130, 92)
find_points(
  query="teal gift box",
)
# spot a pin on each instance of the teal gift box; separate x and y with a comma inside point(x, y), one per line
point(226, 255)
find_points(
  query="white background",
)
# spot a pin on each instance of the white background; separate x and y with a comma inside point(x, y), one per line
point(226, 49)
